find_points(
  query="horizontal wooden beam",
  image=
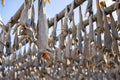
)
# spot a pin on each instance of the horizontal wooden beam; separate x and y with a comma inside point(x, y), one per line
point(16, 16)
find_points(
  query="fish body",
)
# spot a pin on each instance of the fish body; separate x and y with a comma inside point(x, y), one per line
point(113, 28)
point(81, 24)
point(68, 45)
point(42, 27)
point(107, 36)
point(74, 32)
point(91, 32)
point(99, 17)
point(86, 43)
point(89, 7)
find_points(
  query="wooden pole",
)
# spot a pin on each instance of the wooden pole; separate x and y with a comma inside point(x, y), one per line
point(16, 16)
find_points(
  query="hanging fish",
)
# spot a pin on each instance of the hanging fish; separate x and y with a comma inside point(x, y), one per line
point(94, 51)
point(71, 13)
point(89, 7)
point(42, 26)
point(81, 24)
point(13, 58)
point(64, 27)
point(16, 42)
point(86, 51)
point(79, 31)
point(3, 26)
point(98, 41)
point(99, 17)
point(30, 22)
point(113, 27)
point(68, 46)
point(74, 54)
point(34, 49)
point(91, 31)
point(118, 14)
point(107, 36)
point(2, 37)
point(61, 41)
point(26, 14)
point(59, 55)
point(80, 39)
point(27, 33)
point(8, 42)
point(74, 32)
point(115, 46)
point(53, 35)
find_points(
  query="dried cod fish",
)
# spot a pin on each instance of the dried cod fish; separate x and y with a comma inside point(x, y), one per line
point(91, 32)
point(115, 46)
point(27, 33)
point(98, 42)
point(42, 26)
point(99, 17)
point(74, 32)
point(61, 41)
point(68, 46)
point(80, 38)
point(113, 27)
point(64, 27)
point(8, 42)
point(53, 35)
point(79, 31)
point(30, 22)
point(27, 12)
point(71, 13)
point(2, 37)
point(3, 26)
point(81, 24)
point(59, 55)
point(107, 36)
point(86, 51)
point(16, 42)
point(89, 7)
point(118, 13)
